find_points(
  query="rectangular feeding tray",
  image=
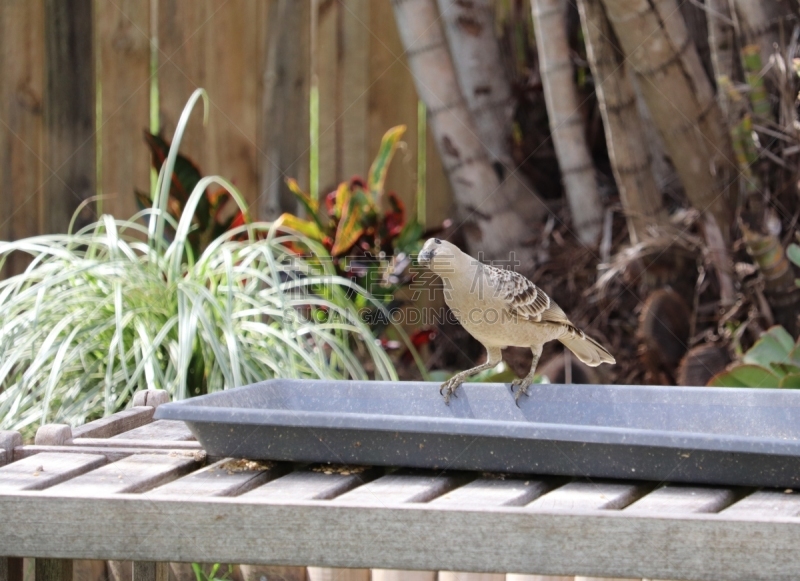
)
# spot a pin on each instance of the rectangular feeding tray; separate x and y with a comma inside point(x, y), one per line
point(748, 437)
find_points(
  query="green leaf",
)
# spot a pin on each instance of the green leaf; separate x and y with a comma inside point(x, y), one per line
point(794, 356)
point(310, 204)
point(782, 369)
point(379, 168)
point(342, 200)
point(793, 252)
point(774, 346)
point(745, 376)
point(408, 239)
point(349, 229)
point(185, 177)
point(791, 381)
point(304, 227)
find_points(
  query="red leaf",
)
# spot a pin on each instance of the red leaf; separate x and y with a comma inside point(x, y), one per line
point(395, 218)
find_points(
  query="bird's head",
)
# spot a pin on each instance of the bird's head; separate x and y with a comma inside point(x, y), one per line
point(440, 256)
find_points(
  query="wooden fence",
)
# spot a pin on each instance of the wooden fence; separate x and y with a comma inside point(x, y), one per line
point(79, 78)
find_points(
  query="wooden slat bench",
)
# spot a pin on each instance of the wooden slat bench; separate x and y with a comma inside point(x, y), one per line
point(130, 488)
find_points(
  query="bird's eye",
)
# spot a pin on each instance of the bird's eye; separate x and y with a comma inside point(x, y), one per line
point(437, 241)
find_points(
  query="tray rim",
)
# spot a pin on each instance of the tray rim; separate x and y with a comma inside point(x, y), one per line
point(190, 412)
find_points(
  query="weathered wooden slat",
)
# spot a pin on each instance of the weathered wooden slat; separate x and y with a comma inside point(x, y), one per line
point(149, 571)
point(402, 575)
point(459, 576)
point(111, 454)
point(611, 542)
point(402, 487)
point(496, 492)
point(53, 570)
point(274, 573)
point(21, 135)
point(11, 569)
point(69, 113)
point(123, 84)
point(89, 570)
point(138, 444)
point(8, 441)
point(596, 495)
point(53, 435)
point(517, 577)
point(158, 430)
point(314, 484)
point(115, 424)
point(765, 504)
point(227, 477)
point(679, 498)
point(328, 574)
point(45, 470)
point(330, 106)
point(137, 473)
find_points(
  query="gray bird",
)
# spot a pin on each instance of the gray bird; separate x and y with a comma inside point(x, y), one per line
point(502, 308)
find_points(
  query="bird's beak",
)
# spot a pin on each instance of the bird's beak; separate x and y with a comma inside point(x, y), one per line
point(424, 257)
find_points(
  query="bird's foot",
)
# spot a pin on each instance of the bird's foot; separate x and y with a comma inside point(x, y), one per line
point(450, 386)
point(521, 386)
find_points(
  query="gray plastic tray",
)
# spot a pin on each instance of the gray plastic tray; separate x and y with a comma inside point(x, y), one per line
point(719, 436)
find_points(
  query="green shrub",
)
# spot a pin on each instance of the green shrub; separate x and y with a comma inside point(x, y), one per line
point(773, 361)
point(114, 307)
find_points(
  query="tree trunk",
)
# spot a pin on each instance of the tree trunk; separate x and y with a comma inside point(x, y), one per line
point(627, 147)
point(684, 108)
point(469, 28)
point(764, 22)
point(566, 122)
point(497, 216)
point(722, 41)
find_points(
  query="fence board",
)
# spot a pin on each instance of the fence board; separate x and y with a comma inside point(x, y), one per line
point(123, 41)
point(232, 79)
point(329, 53)
point(183, 38)
point(283, 117)
point(21, 94)
point(69, 112)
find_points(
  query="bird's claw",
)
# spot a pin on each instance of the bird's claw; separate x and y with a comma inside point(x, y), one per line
point(449, 388)
point(522, 386)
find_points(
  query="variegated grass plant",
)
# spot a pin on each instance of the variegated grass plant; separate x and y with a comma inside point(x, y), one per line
point(115, 307)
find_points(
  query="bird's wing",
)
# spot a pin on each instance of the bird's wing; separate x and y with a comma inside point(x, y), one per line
point(524, 298)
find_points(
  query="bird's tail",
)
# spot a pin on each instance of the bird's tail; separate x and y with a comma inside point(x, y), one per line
point(585, 348)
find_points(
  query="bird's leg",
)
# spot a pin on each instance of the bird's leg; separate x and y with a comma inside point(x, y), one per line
point(448, 388)
point(523, 383)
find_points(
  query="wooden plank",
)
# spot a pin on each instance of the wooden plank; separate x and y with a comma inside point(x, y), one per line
point(184, 32)
point(594, 495)
point(284, 108)
point(680, 498)
point(462, 576)
point(765, 504)
point(137, 473)
point(402, 575)
point(115, 424)
point(69, 113)
point(158, 430)
point(53, 570)
point(318, 483)
point(89, 570)
point(138, 444)
point(123, 79)
point(404, 486)
point(149, 571)
point(11, 569)
point(21, 127)
point(516, 577)
point(8, 441)
point(327, 574)
point(45, 470)
point(329, 52)
point(111, 454)
point(488, 492)
point(352, 130)
point(261, 573)
point(227, 477)
point(611, 542)
point(233, 64)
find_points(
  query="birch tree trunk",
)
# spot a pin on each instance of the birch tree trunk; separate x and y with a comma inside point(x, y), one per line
point(566, 122)
point(684, 108)
point(469, 28)
point(764, 23)
point(497, 215)
point(627, 147)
